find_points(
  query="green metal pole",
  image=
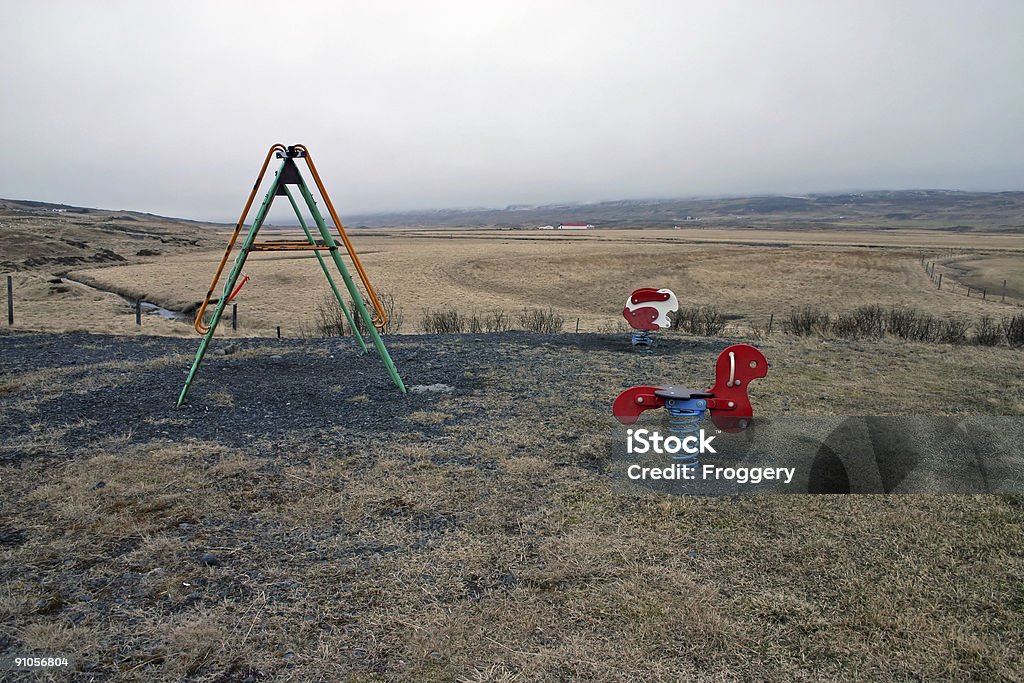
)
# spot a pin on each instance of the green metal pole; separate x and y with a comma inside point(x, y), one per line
point(357, 298)
point(230, 284)
point(323, 267)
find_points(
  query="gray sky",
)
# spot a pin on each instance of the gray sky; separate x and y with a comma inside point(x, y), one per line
point(169, 107)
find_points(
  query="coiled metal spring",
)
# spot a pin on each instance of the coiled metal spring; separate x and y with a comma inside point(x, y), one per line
point(643, 338)
point(685, 417)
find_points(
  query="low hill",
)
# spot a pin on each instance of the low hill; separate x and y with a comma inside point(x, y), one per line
point(941, 209)
point(36, 235)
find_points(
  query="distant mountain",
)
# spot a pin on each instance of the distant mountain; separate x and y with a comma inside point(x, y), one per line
point(931, 209)
point(944, 209)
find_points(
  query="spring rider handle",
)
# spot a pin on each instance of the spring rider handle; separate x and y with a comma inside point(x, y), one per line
point(736, 366)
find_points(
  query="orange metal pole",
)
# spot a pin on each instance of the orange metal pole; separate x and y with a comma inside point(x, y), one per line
point(199, 326)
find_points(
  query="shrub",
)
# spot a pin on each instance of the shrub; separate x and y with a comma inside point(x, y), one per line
point(908, 323)
point(901, 322)
point(330, 320)
point(444, 321)
point(538, 320)
point(925, 328)
point(497, 320)
point(952, 331)
point(396, 317)
point(704, 321)
point(905, 323)
point(866, 321)
point(1013, 330)
point(987, 332)
point(806, 320)
point(711, 321)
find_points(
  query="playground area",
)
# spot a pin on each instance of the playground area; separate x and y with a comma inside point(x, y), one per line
point(438, 508)
point(299, 517)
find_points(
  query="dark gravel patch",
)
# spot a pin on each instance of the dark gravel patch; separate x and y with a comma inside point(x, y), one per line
point(267, 394)
point(277, 389)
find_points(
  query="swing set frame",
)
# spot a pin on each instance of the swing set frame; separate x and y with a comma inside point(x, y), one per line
point(288, 174)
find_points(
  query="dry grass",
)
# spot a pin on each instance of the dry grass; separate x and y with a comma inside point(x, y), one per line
point(587, 276)
point(494, 550)
point(988, 273)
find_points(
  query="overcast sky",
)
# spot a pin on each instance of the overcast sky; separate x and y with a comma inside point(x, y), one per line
point(169, 107)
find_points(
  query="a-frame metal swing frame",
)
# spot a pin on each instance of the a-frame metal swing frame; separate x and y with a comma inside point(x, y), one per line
point(288, 174)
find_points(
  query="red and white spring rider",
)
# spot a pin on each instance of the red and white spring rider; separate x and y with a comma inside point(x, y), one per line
point(647, 311)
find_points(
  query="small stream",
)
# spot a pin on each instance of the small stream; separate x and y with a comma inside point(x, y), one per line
point(146, 306)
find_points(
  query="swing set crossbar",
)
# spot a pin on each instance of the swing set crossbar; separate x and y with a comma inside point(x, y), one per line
point(280, 245)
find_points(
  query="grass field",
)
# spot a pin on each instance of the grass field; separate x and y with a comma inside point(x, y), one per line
point(748, 275)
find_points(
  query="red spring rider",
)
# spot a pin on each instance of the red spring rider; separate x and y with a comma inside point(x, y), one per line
point(647, 311)
point(727, 401)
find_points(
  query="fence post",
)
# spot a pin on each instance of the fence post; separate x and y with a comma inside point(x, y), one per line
point(138, 312)
point(984, 293)
point(577, 325)
point(1004, 291)
point(278, 331)
point(771, 319)
point(10, 300)
point(234, 316)
point(940, 281)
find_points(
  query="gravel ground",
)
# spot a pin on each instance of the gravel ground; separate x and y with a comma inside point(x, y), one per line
point(276, 386)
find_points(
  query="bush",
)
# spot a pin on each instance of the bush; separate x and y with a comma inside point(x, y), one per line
point(497, 320)
point(952, 331)
point(901, 322)
point(905, 323)
point(1013, 330)
point(538, 320)
point(805, 321)
point(330, 319)
point(908, 323)
point(474, 323)
point(703, 321)
point(866, 321)
point(987, 332)
point(396, 317)
point(445, 321)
